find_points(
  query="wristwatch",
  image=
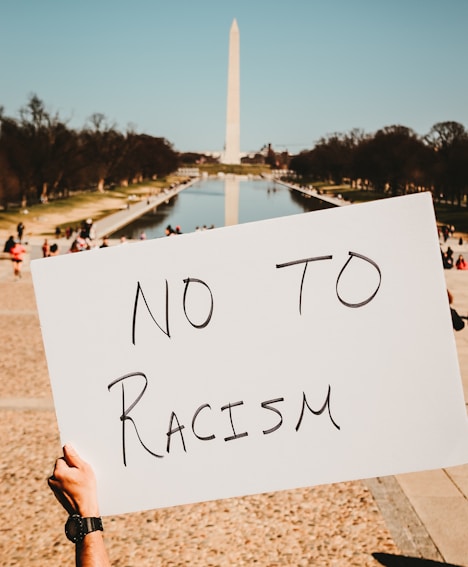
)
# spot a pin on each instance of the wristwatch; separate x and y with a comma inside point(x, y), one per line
point(77, 527)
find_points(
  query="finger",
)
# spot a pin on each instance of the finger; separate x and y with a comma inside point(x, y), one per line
point(71, 457)
point(61, 467)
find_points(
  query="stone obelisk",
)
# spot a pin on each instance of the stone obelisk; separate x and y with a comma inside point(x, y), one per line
point(231, 153)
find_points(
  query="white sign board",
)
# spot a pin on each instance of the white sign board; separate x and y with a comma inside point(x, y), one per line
point(292, 352)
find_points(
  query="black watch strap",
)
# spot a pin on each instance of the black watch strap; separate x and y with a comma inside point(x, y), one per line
point(92, 525)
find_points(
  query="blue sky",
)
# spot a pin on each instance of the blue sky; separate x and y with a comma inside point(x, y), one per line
point(308, 67)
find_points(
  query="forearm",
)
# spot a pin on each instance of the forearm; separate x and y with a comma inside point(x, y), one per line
point(91, 552)
point(74, 486)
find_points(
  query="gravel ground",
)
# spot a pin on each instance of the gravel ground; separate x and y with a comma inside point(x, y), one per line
point(336, 525)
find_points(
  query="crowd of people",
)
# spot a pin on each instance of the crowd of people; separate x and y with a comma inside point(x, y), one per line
point(170, 231)
point(82, 238)
point(446, 231)
point(49, 249)
point(448, 260)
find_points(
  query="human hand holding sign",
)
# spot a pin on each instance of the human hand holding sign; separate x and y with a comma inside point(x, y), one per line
point(74, 485)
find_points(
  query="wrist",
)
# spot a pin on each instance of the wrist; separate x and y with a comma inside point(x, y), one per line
point(88, 509)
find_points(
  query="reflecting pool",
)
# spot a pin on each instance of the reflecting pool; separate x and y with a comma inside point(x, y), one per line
point(220, 202)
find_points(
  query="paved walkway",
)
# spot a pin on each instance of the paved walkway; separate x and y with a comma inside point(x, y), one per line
point(440, 498)
point(426, 513)
point(331, 199)
point(114, 222)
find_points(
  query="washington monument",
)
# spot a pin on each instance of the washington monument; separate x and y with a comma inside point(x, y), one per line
point(231, 153)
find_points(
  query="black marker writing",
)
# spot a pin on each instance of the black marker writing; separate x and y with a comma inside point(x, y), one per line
point(326, 405)
point(124, 417)
point(267, 405)
point(172, 430)
point(165, 327)
point(195, 416)
point(371, 297)
point(208, 318)
point(306, 262)
point(176, 426)
point(139, 292)
point(340, 298)
point(235, 435)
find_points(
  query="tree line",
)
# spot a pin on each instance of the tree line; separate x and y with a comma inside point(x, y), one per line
point(394, 161)
point(42, 158)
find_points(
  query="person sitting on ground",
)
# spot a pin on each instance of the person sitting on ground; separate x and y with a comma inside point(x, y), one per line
point(461, 263)
point(79, 244)
point(457, 320)
point(446, 261)
point(74, 247)
point(9, 244)
point(54, 250)
point(74, 485)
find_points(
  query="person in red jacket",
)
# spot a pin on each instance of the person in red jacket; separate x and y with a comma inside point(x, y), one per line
point(17, 253)
point(461, 263)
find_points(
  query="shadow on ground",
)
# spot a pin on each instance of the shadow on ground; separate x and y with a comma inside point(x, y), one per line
point(402, 561)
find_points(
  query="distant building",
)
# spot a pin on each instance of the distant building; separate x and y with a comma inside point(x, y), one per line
point(188, 172)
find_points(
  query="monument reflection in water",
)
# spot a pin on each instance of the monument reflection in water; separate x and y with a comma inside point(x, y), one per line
point(221, 202)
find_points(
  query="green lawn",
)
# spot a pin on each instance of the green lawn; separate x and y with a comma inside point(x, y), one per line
point(445, 213)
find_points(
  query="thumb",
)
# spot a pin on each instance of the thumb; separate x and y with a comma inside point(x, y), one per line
point(71, 456)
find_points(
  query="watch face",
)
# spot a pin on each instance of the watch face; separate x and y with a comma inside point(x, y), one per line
point(74, 528)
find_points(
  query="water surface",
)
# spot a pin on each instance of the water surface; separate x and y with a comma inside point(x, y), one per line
point(217, 202)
